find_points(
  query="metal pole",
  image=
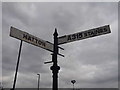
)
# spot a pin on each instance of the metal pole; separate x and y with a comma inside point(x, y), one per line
point(73, 86)
point(38, 80)
point(17, 66)
point(73, 82)
point(55, 68)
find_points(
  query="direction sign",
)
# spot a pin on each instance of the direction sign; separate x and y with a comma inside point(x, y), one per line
point(21, 35)
point(84, 34)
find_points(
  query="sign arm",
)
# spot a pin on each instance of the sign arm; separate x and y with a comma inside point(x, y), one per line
point(84, 34)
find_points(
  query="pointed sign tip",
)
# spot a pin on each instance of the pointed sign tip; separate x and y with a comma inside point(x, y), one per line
point(55, 29)
point(55, 33)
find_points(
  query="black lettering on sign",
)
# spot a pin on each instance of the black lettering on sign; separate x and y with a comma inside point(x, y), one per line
point(69, 38)
point(41, 43)
point(85, 34)
point(73, 37)
point(29, 38)
point(101, 30)
point(95, 32)
point(89, 33)
point(80, 35)
point(77, 35)
point(92, 33)
point(105, 29)
point(36, 40)
point(24, 36)
point(32, 39)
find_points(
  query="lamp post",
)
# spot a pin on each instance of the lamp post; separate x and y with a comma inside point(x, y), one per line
point(38, 80)
point(73, 82)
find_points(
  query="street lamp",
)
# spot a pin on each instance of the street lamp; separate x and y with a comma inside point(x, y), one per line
point(73, 82)
point(38, 80)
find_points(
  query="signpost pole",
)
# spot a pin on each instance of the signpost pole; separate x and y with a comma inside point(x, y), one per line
point(17, 66)
point(55, 68)
point(38, 80)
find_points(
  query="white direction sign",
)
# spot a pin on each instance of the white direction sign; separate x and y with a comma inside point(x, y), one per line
point(84, 34)
point(21, 35)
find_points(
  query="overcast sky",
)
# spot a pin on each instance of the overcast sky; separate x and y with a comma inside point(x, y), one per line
point(92, 62)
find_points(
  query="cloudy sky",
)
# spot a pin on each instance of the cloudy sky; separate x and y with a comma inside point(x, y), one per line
point(92, 62)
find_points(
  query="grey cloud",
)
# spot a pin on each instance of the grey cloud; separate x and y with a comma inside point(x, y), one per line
point(40, 19)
